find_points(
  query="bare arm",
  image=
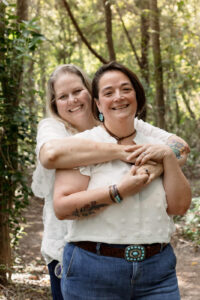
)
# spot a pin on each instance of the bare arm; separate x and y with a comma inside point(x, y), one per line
point(177, 188)
point(178, 146)
point(73, 201)
point(73, 152)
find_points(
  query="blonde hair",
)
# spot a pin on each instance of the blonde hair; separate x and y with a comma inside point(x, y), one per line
point(51, 103)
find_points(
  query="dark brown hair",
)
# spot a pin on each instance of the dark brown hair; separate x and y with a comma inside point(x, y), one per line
point(114, 66)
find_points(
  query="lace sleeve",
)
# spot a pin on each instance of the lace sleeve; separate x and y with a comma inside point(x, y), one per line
point(152, 131)
point(42, 181)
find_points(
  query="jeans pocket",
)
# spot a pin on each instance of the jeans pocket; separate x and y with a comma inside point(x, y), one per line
point(69, 253)
point(172, 257)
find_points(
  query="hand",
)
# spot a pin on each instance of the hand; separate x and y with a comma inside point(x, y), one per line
point(132, 183)
point(125, 153)
point(154, 171)
point(149, 152)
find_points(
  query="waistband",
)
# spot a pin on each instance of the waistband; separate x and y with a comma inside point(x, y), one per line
point(132, 253)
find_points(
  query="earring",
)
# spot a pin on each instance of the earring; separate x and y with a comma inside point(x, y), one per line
point(101, 118)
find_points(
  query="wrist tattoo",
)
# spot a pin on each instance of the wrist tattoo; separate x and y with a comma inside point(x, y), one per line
point(177, 147)
point(88, 209)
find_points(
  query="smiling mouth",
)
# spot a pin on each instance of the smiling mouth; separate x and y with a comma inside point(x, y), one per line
point(120, 107)
point(77, 108)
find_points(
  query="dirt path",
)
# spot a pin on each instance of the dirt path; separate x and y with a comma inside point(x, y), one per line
point(31, 281)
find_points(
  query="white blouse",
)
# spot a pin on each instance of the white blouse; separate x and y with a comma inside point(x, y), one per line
point(43, 181)
point(138, 219)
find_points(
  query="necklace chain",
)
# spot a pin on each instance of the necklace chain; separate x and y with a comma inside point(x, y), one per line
point(119, 139)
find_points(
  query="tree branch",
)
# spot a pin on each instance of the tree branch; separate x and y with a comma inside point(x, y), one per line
point(129, 38)
point(83, 38)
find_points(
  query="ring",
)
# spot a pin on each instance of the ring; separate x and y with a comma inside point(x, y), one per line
point(147, 171)
point(144, 153)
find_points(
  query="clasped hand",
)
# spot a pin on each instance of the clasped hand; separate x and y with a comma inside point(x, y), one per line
point(141, 154)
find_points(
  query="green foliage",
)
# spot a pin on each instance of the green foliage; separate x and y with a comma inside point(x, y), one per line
point(18, 122)
point(191, 228)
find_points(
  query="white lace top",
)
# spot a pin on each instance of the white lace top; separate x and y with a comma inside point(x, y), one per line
point(138, 219)
point(43, 181)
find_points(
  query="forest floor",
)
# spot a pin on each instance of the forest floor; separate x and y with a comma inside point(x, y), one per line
point(30, 279)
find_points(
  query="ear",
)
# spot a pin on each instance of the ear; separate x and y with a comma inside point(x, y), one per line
point(98, 104)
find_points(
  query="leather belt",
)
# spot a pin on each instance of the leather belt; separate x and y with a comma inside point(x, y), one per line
point(132, 253)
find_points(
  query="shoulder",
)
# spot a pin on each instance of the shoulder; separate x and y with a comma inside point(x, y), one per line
point(97, 134)
point(50, 122)
point(51, 127)
point(150, 130)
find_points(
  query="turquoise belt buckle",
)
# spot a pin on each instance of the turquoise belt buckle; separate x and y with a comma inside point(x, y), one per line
point(135, 253)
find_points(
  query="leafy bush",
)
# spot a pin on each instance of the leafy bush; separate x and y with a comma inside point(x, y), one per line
point(191, 228)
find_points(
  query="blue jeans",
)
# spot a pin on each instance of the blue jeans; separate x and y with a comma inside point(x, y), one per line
point(55, 281)
point(88, 276)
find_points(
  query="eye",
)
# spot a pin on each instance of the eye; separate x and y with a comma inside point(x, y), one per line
point(107, 94)
point(63, 97)
point(77, 91)
point(127, 89)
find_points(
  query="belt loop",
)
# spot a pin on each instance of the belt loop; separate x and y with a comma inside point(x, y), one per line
point(161, 247)
point(98, 246)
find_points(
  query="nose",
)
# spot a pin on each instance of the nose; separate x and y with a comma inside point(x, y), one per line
point(118, 95)
point(72, 98)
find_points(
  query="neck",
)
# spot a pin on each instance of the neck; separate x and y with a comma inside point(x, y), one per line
point(88, 124)
point(123, 134)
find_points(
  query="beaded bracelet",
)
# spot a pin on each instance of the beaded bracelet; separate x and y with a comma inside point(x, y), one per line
point(114, 194)
point(111, 194)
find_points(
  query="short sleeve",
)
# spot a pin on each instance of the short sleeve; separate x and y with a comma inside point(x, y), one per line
point(42, 181)
point(49, 129)
point(86, 170)
point(152, 131)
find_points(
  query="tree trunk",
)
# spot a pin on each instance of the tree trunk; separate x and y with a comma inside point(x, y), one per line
point(155, 35)
point(144, 27)
point(5, 255)
point(109, 39)
point(11, 78)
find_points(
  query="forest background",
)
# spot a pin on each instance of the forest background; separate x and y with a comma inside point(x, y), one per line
point(158, 39)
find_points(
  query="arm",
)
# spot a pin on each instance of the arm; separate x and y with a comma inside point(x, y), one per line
point(73, 152)
point(177, 188)
point(56, 149)
point(179, 147)
point(73, 201)
point(177, 144)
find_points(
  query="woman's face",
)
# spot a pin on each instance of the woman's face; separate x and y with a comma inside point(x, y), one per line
point(73, 100)
point(117, 98)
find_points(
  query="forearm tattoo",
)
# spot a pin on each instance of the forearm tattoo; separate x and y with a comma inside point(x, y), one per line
point(177, 147)
point(88, 210)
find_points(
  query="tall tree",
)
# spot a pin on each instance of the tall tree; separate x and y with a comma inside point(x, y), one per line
point(155, 36)
point(109, 39)
point(11, 80)
point(144, 28)
point(5, 254)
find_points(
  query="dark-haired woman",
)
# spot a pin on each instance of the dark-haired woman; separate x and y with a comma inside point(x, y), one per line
point(118, 244)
